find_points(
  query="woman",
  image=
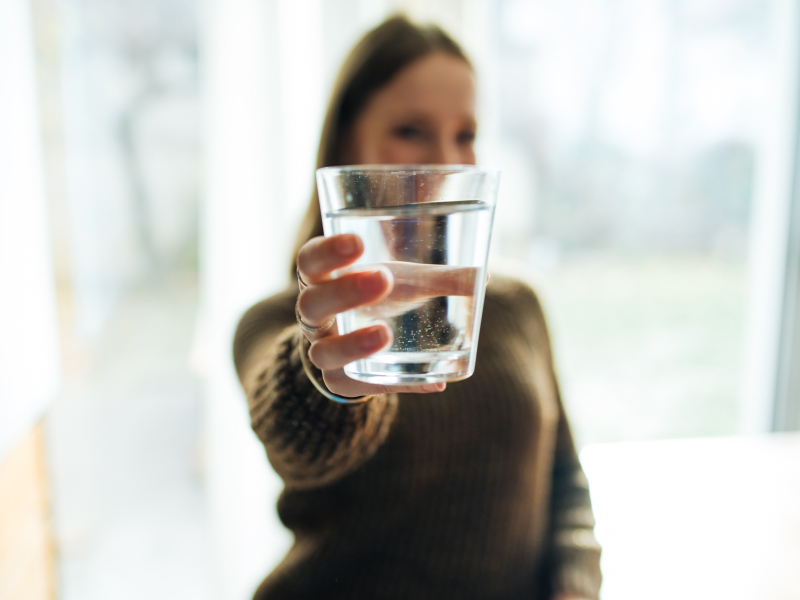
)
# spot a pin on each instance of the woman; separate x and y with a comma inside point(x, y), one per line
point(470, 490)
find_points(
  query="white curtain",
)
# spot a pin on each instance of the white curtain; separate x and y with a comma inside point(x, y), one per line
point(29, 362)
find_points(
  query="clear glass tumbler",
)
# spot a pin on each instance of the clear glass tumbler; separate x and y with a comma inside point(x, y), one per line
point(430, 226)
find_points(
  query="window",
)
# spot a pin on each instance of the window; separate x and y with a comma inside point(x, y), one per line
point(638, 146)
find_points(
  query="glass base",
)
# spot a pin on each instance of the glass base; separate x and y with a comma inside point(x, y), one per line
point(410, 368)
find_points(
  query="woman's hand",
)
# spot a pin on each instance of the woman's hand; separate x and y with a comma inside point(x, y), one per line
point(322, 297)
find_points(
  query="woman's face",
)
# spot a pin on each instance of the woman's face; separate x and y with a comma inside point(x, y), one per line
point(424, 115)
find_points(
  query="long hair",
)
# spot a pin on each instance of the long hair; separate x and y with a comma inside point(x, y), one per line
point(372, 63)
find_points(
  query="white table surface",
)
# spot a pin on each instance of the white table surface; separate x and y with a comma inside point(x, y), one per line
point(707, 518)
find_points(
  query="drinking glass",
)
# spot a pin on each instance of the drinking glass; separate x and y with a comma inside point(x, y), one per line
point(430, 226)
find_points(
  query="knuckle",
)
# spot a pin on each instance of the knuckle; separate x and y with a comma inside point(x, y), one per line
point(305, 304)
point(315, 355)
point(302, 259)
point(305, 256)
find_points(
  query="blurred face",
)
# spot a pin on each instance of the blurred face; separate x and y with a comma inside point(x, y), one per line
point(424, 115)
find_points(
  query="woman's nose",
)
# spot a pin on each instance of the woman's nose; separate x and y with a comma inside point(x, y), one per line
point(444, 152)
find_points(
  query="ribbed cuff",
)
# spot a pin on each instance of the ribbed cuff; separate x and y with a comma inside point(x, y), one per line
point(578, 573)
point(311, 440)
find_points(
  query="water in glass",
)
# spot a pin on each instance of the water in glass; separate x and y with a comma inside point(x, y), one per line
point(436, 252)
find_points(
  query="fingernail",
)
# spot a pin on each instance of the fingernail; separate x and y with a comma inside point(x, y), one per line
point(372, 282)
point(374, 338)
point(346, 245)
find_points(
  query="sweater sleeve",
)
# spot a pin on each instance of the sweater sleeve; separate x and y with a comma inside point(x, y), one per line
point(574, 551)
point(310, 440)
point(573, 554)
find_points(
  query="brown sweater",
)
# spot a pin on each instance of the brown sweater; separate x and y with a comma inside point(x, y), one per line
point(475, 492)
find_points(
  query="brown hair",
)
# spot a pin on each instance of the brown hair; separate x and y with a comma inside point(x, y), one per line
point(371, 64)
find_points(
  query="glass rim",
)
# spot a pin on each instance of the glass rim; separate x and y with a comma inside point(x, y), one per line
point(407, 169)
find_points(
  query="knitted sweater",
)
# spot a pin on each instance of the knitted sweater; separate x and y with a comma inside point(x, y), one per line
point(474, 492)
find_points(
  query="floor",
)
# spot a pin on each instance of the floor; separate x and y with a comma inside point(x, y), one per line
point(124, 441)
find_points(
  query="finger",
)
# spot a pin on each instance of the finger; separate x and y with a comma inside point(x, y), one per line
point(335, 352)
point(318, 303)
point(425, 281)
point(339, 383)
point(321, 255)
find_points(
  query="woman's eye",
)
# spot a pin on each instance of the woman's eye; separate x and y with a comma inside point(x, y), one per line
point(466, 137)
point(408, 132)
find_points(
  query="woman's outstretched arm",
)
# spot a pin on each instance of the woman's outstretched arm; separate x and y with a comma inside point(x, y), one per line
point(310, 440)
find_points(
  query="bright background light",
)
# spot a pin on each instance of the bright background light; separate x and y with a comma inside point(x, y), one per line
point(647, 151)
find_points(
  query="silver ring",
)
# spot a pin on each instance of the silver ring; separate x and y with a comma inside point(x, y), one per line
point(300, 283)
point(321, 388)
point(308, 328)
